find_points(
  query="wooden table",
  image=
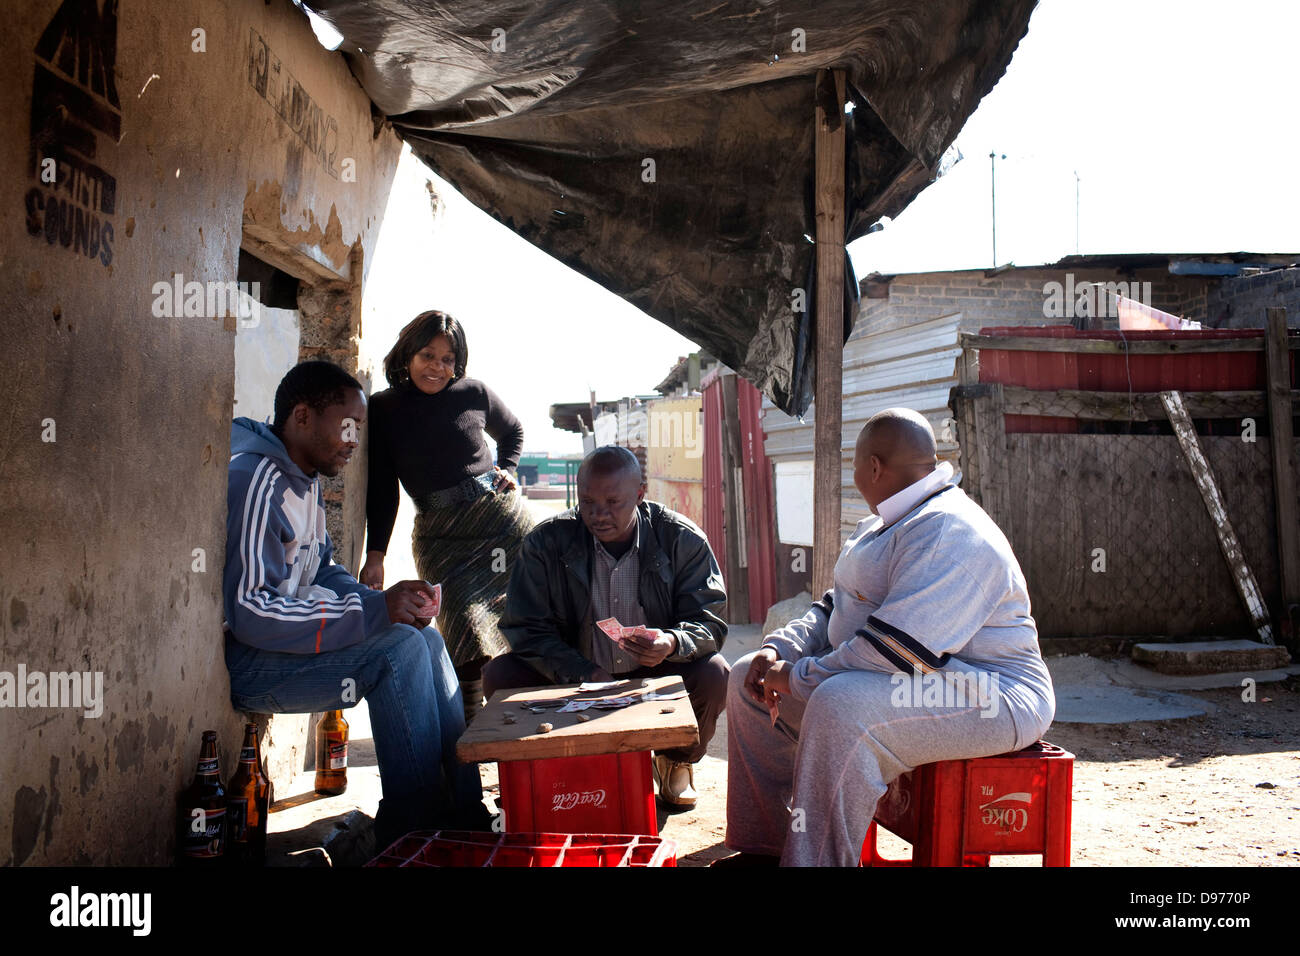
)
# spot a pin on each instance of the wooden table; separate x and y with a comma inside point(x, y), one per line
point(583, 776)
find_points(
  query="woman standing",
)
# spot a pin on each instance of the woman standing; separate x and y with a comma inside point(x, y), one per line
point(426, 431)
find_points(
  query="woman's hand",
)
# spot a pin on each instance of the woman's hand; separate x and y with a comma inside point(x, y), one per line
point(372, 572)
point(504, 480)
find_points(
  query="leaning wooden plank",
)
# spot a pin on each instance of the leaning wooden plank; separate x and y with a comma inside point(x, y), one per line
point(1209, 488)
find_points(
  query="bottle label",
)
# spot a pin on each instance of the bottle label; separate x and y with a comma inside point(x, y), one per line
point(205, 834)
point(248, 755)
point(207, 767)
point(237, 819)
point(338, 759)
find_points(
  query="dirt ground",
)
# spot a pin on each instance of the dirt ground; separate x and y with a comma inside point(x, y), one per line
point(1217, 790)
point(1222, 789)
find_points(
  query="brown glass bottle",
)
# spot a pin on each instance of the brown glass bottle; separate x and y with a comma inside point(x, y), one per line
point(332, 754)
point(247, 803)
point(201, 811)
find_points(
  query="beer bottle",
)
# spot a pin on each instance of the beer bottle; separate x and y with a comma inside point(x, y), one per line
point(247, 804)
point(201, 811)
point(332, 754)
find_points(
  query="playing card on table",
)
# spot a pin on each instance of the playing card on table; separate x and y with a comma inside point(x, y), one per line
point(589, 687)
point(669, 695)
point(616, 703)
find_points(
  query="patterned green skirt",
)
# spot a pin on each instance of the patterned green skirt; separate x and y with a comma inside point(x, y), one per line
point(470, 548)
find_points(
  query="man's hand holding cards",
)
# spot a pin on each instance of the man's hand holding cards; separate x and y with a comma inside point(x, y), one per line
point(430, 607)
point(648, 646)
point(776, 684)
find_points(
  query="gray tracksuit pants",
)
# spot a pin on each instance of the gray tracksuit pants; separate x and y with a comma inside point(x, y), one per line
point(807, 788)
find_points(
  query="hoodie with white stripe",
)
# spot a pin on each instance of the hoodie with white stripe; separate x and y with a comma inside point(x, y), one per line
point(281, 589)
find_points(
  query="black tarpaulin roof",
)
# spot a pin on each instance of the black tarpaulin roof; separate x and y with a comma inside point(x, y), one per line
point(545, 114)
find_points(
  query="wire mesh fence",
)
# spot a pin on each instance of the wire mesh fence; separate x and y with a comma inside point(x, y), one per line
point(1114, 536)
point(1099, 502)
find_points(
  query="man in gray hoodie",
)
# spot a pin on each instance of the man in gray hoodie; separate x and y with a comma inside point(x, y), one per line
point(304, 636)
point(923, 650)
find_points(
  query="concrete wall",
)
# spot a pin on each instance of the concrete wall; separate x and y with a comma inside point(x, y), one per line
point(170, 148)
point(1014, 297)
point(1240, 302)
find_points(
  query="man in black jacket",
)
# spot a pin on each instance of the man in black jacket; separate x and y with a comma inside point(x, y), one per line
point(619, 556)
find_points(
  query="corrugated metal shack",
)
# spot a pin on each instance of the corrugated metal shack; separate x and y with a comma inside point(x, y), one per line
point(1095, 499)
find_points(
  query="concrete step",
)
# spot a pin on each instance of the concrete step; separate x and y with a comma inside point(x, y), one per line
point(1210, 657)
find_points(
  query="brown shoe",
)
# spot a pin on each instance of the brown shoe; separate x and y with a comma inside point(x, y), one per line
point(676, 782)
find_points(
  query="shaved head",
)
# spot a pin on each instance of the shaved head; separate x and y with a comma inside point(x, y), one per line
point(895, 448)
point(901, 438)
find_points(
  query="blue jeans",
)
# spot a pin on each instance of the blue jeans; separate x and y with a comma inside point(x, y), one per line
point(416, 716)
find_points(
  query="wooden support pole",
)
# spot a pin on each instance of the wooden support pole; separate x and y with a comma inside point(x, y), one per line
point(962, 400)
point(828, 438)
point(1242, 576)
point(991, 429)
point(733, 509)
point(1280, 412)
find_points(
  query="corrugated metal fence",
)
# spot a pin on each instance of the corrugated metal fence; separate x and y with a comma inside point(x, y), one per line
point(913, 367)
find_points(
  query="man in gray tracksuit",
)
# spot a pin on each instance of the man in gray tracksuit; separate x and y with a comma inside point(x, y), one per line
point(924, 650)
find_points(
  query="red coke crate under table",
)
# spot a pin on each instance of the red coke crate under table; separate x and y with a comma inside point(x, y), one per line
point(602, 793)
point(586, 772)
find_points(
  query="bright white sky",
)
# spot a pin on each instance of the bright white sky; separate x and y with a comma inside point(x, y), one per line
point(1174, 113)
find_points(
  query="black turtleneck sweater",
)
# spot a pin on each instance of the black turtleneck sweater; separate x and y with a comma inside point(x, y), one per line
point(432, 442)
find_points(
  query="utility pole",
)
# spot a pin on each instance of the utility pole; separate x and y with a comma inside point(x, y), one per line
point(993, 195)
point(1076, 212)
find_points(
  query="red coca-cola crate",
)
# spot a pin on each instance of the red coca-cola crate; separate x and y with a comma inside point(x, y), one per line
point(961, 812)
point(604, 793)
point(448, 848)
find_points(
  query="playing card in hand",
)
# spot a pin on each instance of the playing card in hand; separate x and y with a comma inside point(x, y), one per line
point(613, 630)
point(431, 606)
